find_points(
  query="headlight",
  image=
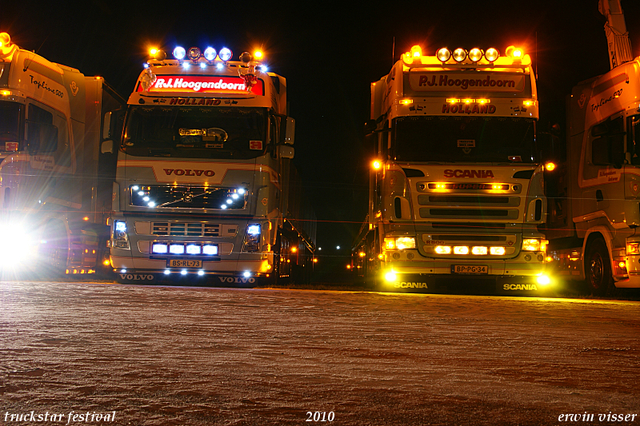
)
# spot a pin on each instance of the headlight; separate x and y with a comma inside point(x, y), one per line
point(120, 239)
point(399, 243)
point(531, 244)
point(16, 246)
point(252, 238)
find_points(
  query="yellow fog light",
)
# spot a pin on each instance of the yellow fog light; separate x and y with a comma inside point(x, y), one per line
point(443, 249)
point(497, 251)
point(479, 250)
point(403, 243)
point(460, 250)
point(390, 276)
point(531, 244)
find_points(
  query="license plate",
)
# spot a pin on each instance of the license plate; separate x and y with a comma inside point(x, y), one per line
point(184, 263)
point(470, 269)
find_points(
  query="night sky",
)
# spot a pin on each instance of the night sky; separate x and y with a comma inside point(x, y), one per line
point(329, 52)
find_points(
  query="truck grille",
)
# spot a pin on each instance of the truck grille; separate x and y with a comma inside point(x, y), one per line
point(472, 207)
point(192, 197)
point(185, 229)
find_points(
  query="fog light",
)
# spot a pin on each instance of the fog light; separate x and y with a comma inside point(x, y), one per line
point(176, 249)
point(461, 250)
point(210, 250)
point(443, 249)
point(543, 280)
point(497, 251)
point(390, 276)
point(193, 249)
point(159, 248)
point(479, 250)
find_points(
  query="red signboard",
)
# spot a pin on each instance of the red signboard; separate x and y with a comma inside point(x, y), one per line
point(203, 84)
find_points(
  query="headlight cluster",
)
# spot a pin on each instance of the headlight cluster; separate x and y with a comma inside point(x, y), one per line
point(120, 239)
point(400, 243)
point(460, 55)
point(251, 241)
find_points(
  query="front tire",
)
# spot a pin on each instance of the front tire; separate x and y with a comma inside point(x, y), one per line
point(597, 268)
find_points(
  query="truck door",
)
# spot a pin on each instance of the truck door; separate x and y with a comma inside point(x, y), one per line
point(603, 168)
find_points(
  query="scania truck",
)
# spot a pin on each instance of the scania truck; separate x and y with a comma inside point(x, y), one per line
point(456, 183)
point(594, 190)
point(205, 191)
point(55, 185)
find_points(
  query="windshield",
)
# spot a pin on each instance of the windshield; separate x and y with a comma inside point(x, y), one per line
point(463, 139)
point(10, 125)
point(193, 132)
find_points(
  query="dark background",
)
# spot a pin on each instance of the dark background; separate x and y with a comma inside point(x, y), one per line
point(329, 52)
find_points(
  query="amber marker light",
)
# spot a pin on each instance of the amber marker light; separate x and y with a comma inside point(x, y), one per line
point(5, 39)
point(406, 101)
point(376, 164)
point(515, 53)
point(416, 51)
point(258, 54)
point(550, 166)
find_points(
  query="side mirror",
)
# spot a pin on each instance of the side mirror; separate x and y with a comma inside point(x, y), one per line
point(290, 132)
point(107, 147)
point(286, 151)
point(106, 126)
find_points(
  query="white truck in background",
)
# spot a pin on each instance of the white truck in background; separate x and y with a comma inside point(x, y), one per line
point(55, 185)
point(594, 190)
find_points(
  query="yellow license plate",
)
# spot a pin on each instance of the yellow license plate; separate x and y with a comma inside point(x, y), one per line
point(184, 263)
point(470, 269)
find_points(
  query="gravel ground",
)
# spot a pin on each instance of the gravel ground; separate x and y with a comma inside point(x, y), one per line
point(107, 354)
